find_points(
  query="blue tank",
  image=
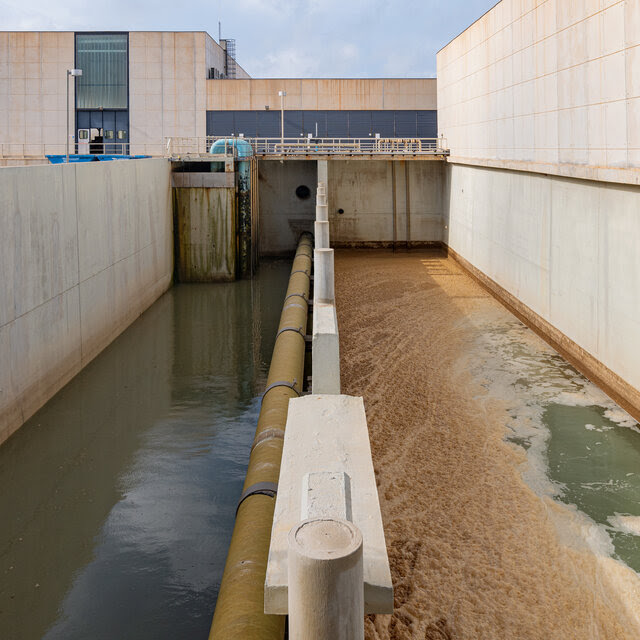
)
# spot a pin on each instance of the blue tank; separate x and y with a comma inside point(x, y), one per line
point(244, 149)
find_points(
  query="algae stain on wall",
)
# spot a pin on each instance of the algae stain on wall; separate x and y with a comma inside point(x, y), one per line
point(205, 224)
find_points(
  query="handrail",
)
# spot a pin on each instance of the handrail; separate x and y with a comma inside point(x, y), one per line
point(191, 146)
point(197, 146)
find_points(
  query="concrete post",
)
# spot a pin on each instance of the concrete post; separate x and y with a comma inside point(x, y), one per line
point(321, 230)
point(325, 577)
point(324, 289)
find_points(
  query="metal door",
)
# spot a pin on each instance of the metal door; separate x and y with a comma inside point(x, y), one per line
point(83, 141)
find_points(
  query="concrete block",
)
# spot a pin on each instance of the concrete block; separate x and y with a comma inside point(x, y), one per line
point(326, 494)
point(328, 433)
point(325, 350)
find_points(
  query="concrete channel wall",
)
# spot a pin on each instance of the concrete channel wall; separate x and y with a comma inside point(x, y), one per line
point(283, 214)
point(367, 198)
point(565, 254)
point(84, 250)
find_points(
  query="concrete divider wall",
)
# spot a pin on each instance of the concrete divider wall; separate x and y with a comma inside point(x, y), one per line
point(567, 249)
point(283, 214)
point(364, 190)
point(84, 250)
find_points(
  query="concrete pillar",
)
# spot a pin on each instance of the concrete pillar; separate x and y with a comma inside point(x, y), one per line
point(323, 279)
point(325, 581)
point(321, 231)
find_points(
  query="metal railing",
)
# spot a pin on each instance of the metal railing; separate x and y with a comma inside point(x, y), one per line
point(198, 146)
point(181, 147)
point(184, 146)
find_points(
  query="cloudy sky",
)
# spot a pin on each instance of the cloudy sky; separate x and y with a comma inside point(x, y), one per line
point(281, 38)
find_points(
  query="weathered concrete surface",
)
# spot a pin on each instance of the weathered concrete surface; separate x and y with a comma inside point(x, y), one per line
point(206, 233)
point(283, 215)
point(208, 180)
point(567, 250)
point(85, 249)
point(323, 93)
point(550, 86)
point(365, 190)
point(328, 433)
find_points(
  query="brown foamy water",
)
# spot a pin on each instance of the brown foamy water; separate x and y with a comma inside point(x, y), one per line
point(475, 552)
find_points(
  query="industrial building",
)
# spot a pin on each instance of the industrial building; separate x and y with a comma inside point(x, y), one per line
point(137, 90)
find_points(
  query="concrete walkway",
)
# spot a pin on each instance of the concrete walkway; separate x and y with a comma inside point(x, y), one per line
point(474, 552)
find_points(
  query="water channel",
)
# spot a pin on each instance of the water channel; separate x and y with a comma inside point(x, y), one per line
point(118, 496)
point(583, 450)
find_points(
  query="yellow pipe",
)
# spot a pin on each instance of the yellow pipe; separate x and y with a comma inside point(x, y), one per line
point(240, 607)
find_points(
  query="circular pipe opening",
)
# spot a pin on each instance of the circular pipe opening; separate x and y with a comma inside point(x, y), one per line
point(303, 192)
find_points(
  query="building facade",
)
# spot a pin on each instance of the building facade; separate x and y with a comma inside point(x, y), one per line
point(140, 89)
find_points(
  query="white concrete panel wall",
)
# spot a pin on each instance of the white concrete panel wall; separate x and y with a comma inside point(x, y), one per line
point(363, 189)
point(33, 76)
point(567, 249)
point(167, 88)
point(85, 249)
point(546, 85)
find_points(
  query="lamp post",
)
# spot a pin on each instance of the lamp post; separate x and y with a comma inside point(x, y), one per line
point(75, 73)
point(282, 95)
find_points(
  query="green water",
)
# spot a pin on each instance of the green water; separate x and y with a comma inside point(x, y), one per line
point(596, 464)
point(582, 449)
point(118, 497)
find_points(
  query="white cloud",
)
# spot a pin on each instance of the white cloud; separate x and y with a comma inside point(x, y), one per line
point(283, 38)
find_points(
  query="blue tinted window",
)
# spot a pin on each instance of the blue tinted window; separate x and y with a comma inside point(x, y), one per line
point(246, 123)
point(427, 124)
point(337, 124)
point(220, 123)
point(382, 122)
point(331, 124)
point(292, 124)
point(405, 124)
point(315, 121)
point(359, 124)
point(268, 124)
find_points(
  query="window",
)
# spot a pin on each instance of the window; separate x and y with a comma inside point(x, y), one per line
point(103, 59)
